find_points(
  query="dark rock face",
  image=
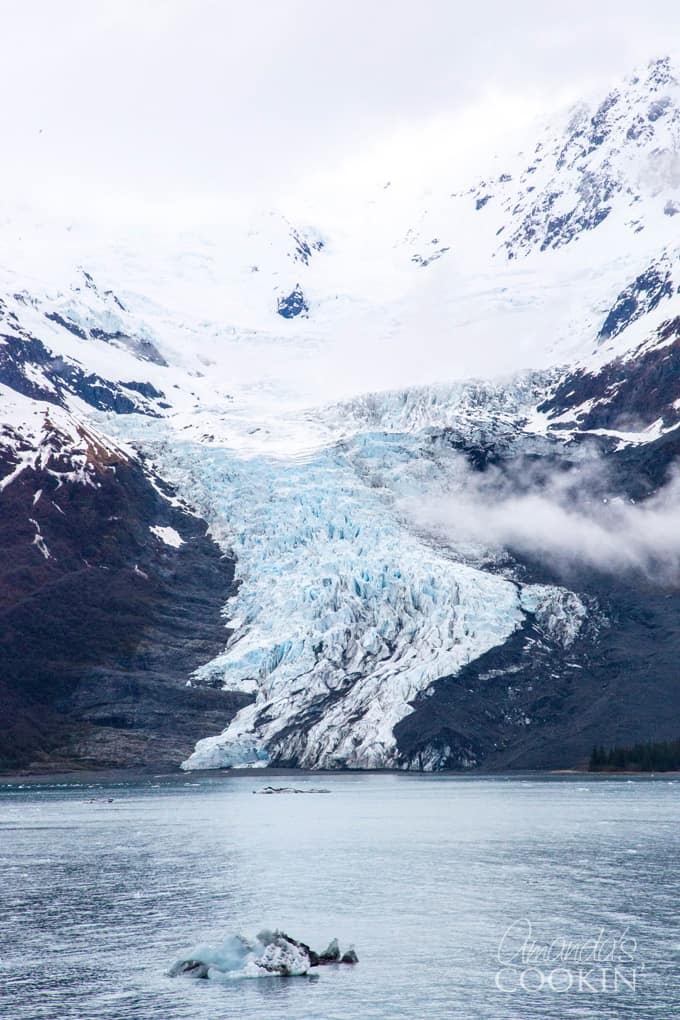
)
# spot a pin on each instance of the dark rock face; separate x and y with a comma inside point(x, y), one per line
point(530, 704)
point(101, 622)
point(640, 297)
point(303, 248)
point(573, 181)
point(20, 354)
point(533, 703)
point(293, 305)
point(72, 327)
point(626, 394)
point(639, 471)
point(549, 230)
point(139, 346)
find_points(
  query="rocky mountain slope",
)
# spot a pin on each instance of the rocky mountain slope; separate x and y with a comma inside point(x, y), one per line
point(403, 567)
point(110, 594)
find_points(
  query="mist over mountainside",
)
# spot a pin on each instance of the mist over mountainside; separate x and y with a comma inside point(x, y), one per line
point(398, 493)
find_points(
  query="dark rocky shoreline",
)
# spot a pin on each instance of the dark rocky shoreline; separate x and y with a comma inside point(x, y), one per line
point(122, 776)
point(101, 621)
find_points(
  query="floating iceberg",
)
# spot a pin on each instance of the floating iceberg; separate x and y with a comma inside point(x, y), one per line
point(270, 954)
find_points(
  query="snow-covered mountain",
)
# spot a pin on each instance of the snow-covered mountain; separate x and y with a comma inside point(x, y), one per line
point(304, 393)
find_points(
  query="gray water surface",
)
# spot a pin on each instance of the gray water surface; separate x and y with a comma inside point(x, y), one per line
point(423, 874)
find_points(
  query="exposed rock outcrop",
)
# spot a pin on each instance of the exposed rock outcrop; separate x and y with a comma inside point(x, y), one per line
point(101, 620)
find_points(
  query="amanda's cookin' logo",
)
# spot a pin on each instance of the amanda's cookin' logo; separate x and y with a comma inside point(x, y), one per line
point(602, 963)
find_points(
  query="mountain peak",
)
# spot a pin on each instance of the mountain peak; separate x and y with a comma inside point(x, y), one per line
point(611, 157)
point(660, 72)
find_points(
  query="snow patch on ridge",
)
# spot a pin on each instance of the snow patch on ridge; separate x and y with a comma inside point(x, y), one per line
point(168, 536)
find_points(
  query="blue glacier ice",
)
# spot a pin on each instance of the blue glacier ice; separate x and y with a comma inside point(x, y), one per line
point(344, 613)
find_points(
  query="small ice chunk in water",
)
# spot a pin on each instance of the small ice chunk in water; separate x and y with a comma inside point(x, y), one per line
point(285, 957)
point(331, 954)
point(270, 954)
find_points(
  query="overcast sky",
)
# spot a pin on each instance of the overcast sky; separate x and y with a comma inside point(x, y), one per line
point(129, 108)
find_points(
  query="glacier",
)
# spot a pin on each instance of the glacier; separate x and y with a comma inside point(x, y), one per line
point(349, 604)
point(344, 611)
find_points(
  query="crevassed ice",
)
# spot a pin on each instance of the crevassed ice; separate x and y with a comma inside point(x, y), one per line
point(560, 612)
point(343, 613)
point(470, 403)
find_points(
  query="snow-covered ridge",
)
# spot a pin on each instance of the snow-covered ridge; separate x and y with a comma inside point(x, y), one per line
point(272, 311)
point(553, 284)
point(43, 436)
point(609, 160)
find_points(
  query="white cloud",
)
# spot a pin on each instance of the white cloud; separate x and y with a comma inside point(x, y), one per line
point(561, 518)
point(175, 106)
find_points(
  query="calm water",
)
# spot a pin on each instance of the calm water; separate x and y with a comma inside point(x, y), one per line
point(423, 874)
